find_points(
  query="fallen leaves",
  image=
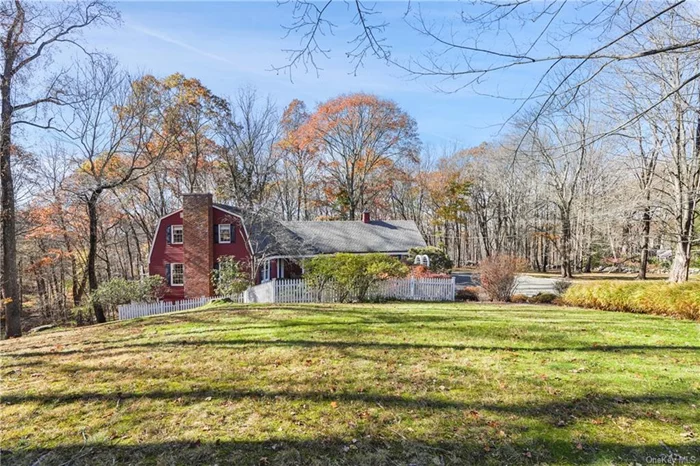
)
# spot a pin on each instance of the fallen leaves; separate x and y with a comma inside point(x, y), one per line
point(689, 433)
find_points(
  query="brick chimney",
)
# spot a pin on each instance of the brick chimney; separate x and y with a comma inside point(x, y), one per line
point(198, 239)
point(365, 217)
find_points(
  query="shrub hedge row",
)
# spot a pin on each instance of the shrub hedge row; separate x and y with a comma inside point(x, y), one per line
point(674, 299)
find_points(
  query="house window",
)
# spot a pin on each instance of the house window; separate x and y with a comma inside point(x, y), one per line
point(224, 233)
point(177, 274)
point(265, 272)
point(280, 268)
point(177, 235)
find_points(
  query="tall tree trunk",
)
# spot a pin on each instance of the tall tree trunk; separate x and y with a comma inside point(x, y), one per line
point(74, 287)
point(139, 258)
point(685, 205)
point(92, 252)
point(681, 262)
point(565, 246)
point(10, 276)
point(129, 255)
point(646, 229)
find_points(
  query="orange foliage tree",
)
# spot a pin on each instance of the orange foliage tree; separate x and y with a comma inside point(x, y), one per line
point(189, 113)
point(299, 160)
point(362, 139)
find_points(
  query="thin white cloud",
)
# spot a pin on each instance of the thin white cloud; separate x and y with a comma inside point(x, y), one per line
point(165, 38)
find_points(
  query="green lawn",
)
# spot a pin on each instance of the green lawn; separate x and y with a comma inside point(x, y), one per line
point(421, 384)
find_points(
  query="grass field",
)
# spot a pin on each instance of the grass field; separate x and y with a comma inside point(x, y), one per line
point(421, 384)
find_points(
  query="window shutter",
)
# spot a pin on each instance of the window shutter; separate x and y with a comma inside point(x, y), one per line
point(233, 233)
point(169, 235)
point(167, 274)
point(216, 234)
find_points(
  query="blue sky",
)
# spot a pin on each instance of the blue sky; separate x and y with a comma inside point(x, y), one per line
point(232, 44)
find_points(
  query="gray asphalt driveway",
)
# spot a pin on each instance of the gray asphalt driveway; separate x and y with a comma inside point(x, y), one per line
point(527, 285)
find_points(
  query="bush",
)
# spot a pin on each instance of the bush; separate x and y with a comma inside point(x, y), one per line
point(230, 278)
point(469, 293)
point(421, 271)
point(560, 286)
point(498, 275)
point(352, 275)
point(116, 291)
point(543, 298)
point(674, 299)
point(519, 298)
point(439, 260)
point(83, 315)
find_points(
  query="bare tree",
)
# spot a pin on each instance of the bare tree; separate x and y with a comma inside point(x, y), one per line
point(559, 145)
point(30, 32)
point(669, 133)
point(248, 149)
point(117, 140)
point(464, 49)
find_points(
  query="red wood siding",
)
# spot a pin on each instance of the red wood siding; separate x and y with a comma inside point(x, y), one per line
point(163, 253)
point(237, 249)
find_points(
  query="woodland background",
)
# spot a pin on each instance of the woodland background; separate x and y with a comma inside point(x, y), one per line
point(602, 176)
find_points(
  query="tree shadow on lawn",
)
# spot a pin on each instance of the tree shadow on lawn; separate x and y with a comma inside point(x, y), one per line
point(419, 346)
point(352, 451)
point(165, 333)
point(558, 412)
point(349, 344)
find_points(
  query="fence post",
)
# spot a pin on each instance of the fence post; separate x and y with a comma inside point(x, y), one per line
point(454, 288)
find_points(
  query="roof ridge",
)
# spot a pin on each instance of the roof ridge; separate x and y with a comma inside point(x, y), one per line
point(347, 221)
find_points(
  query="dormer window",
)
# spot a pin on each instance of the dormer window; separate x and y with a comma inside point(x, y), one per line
point(224, 234)
point(176, 234)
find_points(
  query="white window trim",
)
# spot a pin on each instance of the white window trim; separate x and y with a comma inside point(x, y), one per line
point(172, 234)
point(266, 271)
point(230, 233)
point(172, 274)
point(280, 268)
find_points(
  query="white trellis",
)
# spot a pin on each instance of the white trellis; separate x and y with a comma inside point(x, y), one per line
point(422, 259)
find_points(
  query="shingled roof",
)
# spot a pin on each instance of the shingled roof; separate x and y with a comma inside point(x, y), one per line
point(327, 237)
point(388, 236)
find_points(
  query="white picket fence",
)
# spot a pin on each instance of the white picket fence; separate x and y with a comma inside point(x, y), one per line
point(131, 311)
point(416, 289)
point(410, 289)
point(300, 291)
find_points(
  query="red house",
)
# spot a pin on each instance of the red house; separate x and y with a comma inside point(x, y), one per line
point(189, 242)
